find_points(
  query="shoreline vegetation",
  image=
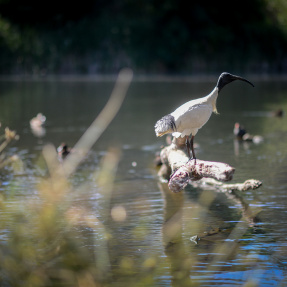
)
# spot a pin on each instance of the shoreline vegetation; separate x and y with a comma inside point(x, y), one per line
point(150, 37)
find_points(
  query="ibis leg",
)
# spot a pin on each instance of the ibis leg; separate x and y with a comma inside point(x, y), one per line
point(192, 148)
point(187, 143)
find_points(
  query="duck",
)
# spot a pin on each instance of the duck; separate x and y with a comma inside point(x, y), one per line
point(241, 134)
point(38, 121)
point(63, 151)
point(37, 125)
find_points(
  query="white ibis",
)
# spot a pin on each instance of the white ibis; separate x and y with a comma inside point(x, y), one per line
point(191, 116)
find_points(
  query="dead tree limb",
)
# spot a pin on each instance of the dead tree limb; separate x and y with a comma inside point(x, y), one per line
point(193, 172)
point(207, 183)
point(181, 171)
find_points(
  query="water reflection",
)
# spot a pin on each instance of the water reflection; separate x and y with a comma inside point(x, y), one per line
point(226, 255)
point(219, 233)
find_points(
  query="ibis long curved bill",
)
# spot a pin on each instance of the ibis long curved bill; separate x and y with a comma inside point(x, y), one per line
point(187, 119)
point(226, 78)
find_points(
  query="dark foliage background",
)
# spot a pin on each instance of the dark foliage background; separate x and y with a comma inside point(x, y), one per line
point(171, 36)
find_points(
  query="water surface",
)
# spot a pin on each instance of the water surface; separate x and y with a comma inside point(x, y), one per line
point(140, 240)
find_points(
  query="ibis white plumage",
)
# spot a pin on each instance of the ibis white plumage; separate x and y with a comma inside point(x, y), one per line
point(187, 119)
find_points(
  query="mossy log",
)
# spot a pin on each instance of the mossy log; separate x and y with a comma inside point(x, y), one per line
point(180, 171)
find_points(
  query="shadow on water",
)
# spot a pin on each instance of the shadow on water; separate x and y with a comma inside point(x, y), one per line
point(153, 233)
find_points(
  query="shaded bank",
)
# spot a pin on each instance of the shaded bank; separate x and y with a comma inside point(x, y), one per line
point(148, 36)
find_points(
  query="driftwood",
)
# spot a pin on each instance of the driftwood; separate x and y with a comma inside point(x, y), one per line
point(180, 171)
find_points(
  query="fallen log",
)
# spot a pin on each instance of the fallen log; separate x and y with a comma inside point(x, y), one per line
point(180, 171)
point(227, 187)
point(193, 172)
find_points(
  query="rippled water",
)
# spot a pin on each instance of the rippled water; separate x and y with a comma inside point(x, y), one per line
point(258, 251)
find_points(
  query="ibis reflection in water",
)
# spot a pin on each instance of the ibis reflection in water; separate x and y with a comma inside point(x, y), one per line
point(191, 116)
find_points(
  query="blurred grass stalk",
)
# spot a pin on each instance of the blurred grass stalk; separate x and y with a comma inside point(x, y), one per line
point(101, 122)
point(7, 138)
point(41, 245)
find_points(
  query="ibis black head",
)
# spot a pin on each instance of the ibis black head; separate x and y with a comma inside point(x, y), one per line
point(226, 78)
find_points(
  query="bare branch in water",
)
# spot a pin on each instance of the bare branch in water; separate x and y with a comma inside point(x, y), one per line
point(182, 171)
